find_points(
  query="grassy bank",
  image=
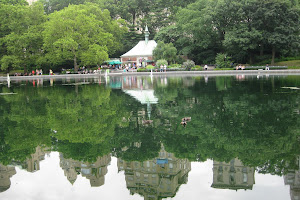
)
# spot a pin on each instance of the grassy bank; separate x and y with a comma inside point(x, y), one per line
point(291, 64)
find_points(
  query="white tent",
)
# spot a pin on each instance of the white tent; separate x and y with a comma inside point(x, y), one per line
point(141, 49)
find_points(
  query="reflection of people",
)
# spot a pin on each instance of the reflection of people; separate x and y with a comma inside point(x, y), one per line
point(185, 120)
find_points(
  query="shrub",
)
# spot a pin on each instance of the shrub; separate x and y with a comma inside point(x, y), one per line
point(141, 69)
point(149, 67)
point(175, 66)
point(161, 62)
point(197, 68)
point(223, 61)
point(188, 65)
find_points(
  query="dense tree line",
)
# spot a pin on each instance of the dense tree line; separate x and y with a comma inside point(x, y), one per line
point(245, 30)
point(71, 33)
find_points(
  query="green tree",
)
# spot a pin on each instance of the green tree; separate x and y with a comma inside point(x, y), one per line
point(165, 51)
point(78, 30)
point(161, 62)
point(223, 61)
point(278, 21)
point(22, 38)
point(243, 29)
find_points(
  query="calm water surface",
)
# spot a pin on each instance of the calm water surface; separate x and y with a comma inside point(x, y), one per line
point(127, 138)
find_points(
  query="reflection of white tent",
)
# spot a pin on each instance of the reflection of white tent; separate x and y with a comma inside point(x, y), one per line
point(143, 96)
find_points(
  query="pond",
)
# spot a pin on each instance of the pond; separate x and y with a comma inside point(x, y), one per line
point(160, 137)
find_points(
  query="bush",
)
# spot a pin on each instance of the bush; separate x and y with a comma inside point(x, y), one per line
point(197, 68)
point(149, 67)
point(223, 61)
point(141, 69)
point(175, 66)
point(161, 62)
point(188, 65)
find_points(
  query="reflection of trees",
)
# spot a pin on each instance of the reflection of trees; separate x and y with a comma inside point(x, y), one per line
point(137, 141)
point(254, 121)
point(251, 121)
point(89, 115)
point(84, 121)
point(24, 123)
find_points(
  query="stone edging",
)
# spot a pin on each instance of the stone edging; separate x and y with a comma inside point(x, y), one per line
point(170, 73)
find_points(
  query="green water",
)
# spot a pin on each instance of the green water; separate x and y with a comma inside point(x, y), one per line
point(123, 135)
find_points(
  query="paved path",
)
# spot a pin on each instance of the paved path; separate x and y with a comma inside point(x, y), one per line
point(168, 73)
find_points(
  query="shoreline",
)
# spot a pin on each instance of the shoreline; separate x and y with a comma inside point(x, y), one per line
point(168, 73)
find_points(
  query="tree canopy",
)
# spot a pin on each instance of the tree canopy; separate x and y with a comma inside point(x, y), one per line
point(72, 33)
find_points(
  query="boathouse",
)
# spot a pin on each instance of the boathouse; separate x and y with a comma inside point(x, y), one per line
point(142, 53)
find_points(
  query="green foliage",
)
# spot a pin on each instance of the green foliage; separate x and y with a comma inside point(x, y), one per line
point(197, 68)
point(80, 32)
point(188, 65)
point(20, 35)
point(244, 29)
point(223, 61)
point(141, 69)
point(165, 51)
point(9, 62)
point(149, 67)
point(161, 62)
point(175, 66)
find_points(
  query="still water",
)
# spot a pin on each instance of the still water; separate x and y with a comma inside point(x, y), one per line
point(128, 138)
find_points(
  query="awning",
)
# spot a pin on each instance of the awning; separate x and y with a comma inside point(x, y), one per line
point(113, 62)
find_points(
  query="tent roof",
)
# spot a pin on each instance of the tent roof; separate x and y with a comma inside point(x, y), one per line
point(143, 96)
point(112, 62)
point(141, 49)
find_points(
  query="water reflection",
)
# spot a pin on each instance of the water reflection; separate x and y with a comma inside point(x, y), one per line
point(6, 172)
point(95, 171)
point(157, 178)
point(243, 124)
point(292, 178)
point(233, 175)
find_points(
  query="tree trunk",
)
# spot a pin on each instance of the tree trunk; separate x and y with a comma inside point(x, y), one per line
point(25, 69)
point(273, 55)
point(251, 59)
point(261, 51)
point(134, 19)
point(75, 64)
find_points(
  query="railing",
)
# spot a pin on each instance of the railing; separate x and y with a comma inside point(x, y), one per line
point(264, 67)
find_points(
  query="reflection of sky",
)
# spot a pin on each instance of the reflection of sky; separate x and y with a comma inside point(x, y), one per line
point(49, 183)
point(200, 178)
